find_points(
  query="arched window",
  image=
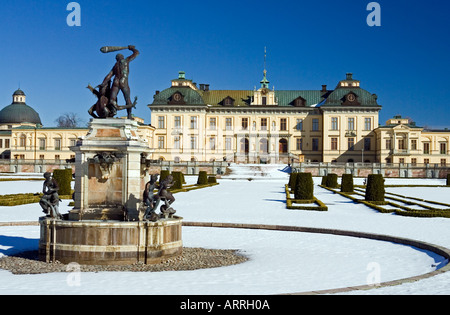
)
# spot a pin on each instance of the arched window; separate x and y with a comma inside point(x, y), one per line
point(283, 143)
point(245, 146)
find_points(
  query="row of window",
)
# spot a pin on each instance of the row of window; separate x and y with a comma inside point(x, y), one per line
point(41, 157)
point(351, 123)
point(283, 126)
point(401, 145)
point(263, 144)
point(42, 143)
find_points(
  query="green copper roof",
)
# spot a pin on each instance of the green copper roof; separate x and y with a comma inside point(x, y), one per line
point(336, 98)
point(17, 113)
point(191, 97)
point(216, 97)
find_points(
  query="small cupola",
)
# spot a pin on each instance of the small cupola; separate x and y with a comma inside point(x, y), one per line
point(19, 97)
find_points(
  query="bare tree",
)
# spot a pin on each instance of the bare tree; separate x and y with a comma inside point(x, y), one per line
point(68, 120)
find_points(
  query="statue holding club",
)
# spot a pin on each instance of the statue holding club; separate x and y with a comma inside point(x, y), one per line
point(107, 93)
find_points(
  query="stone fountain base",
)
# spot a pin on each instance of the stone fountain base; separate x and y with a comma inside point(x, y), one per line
point(110, 242)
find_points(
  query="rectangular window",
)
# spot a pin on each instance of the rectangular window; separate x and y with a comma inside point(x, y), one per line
point(41, 157)
point(388, 144)
point(334, 144)
point(228, 144)
point(299, 144)
point(334, 123)
point(264, 100)
point(42, 144)
point(315, 124)
point(161, 122)
point(351, 124)
point(193, 122)
point(244, 123)
point(413, 161)
point(161, 142)
point(177, 142)
point(443, 148)
point(401, 160)
point(193, 142)
point(212, 123)
point(426, 148)
point(351, 144)
point(299, 124)
point(367, 124)
point(177, 122)
point(212, 143)
point(283, 124)
point(57, 157)
point(315, 144)
point(367, 144)
point(263, 123)
point(1, 143)
point(228, 123)
point(413, 144)
point(7, 143)
point(426, 161)
point(58, 144)
point(401, 144)
point(443, 162)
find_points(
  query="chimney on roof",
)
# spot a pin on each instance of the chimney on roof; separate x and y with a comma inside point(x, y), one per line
point(206, 87)
point(324, 88)
point(157, 92)
point(349, 76)
point(202, 87)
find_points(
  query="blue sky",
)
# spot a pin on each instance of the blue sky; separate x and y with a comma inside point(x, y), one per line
point(405, 61)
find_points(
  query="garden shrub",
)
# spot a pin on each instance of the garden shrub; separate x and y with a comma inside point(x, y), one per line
point(163, 175)
point(304, 187)
point(202, 178)
point(347, 183)
point(292, 180)
point(324, 181)
point(178, 180)
point(375, 188)
point(448, 179)
point(212, 180)
point(64, 178)
point(332, 181)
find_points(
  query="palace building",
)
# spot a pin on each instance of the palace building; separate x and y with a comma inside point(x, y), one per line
point(340, 125)
point(265, 125)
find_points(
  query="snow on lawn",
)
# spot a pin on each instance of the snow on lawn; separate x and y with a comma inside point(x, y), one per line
point(280, 262)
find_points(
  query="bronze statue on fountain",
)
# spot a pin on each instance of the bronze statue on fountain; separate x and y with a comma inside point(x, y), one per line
point(106, 105)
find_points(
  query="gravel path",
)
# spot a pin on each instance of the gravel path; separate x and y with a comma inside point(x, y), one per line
point(191, 259)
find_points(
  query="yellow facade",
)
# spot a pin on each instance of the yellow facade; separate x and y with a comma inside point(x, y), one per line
point(264, 125)
point(401, 141)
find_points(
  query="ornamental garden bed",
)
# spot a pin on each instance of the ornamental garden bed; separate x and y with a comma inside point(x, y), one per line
point(399, 204)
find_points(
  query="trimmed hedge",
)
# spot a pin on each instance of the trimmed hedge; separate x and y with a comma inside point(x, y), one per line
point(64, 178)
point(212, 180)
point(347, 183)
point(324, 181)
point(375, 188)
point(163, 175)
point(202, 178)
point(448, 179)
point(178, 180)
point(292, 180)
point(304, 187)
point(332, 180)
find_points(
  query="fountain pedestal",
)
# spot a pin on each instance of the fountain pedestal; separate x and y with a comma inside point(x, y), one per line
point(104, 227)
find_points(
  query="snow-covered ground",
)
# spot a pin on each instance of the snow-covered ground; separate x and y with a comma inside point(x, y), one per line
point(280, 262)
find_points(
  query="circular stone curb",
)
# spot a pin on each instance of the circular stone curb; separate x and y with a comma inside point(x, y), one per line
point(441, 251)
